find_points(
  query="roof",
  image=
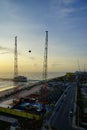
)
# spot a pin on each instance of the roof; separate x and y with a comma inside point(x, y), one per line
point(4, 105)
point(85, 110)
point(8, 119)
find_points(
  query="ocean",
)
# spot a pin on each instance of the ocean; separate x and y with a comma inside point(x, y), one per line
point(6, 85)
point(34, 75)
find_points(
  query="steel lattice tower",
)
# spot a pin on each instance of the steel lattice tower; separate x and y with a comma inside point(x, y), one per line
point(16, 95)
point(15, 59)
point(45, 58)
point(43, 90)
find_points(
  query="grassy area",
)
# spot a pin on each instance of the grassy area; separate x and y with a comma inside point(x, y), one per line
point(81, 104)
point(84, 102)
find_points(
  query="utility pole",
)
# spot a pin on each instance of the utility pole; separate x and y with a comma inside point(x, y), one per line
point(45, 58)
point(78, 65)
point(84, 67)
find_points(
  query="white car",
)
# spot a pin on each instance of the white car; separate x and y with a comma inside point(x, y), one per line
point(71, 113)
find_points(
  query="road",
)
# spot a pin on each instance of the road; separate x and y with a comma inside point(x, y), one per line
point(63, 119)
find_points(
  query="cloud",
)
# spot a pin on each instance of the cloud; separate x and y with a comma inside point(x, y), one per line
point(66, 11)
point(4, 50)
point(55, 65)
point(35, 65)
point(32, 58)
point(8, 8)
point(62, 2)
point(67, 2)
point(63, 8)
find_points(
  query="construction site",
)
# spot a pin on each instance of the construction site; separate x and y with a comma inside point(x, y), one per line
point(28, 112)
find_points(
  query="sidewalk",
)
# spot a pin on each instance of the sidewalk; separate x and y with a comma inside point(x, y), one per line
point(74, 116)
point(46, 126)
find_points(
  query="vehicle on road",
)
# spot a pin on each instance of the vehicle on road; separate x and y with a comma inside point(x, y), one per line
point(71, 113)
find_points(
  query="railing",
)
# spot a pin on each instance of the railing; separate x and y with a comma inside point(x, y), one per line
point(19, 113)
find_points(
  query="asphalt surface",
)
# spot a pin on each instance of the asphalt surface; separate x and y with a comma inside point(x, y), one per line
point(63, 118)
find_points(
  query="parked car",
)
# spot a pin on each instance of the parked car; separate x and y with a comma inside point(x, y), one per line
point(71, 113)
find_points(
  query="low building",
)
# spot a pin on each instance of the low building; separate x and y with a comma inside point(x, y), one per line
point(20, 79)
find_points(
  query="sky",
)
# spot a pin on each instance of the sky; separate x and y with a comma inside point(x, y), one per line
point(66, 23)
